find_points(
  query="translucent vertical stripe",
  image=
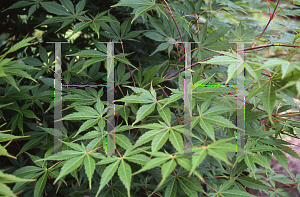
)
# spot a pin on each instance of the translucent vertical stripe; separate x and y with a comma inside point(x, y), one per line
point(110, 100)
point(240, 119)
point(188, 100)
point(57, 100)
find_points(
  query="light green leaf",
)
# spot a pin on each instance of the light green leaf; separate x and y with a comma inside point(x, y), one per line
point(236, 193)
point(124, 171)
point(261, 160)
point(107, 175)
point(70, 166)
point(165, 113)
point(131, 3)
point(143, 112)
point(217, 110)
point(207, 127)
point(89, 165)
point(197, 159)
point(153, 163)
point(221, 60)
point(219, 120)
point(176, 140)
point(123, 141)
point(138, 158)
point(159, 140)
point(86, 125)
point(268, 99)
point(286, 68)
point(166, 170)
point(146, 137)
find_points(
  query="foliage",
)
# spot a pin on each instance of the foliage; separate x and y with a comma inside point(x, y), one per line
point(149, 97)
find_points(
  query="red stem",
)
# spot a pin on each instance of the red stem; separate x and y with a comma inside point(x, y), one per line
point(271, 18)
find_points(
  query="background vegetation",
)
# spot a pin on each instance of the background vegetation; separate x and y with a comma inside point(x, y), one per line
point(149, 93)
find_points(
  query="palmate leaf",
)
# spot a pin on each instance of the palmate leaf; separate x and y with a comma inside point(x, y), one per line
point(107, 175)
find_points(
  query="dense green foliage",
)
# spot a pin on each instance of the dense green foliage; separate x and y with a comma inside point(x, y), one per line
point(149, 97)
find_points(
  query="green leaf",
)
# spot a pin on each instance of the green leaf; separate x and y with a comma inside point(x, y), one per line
point(166, 170)
point(281, 158)
point(219, 120)
point(141, 10)
point(40, 185)
point(124, 171)
point(70, 166)
point(268, 99)
point(171, 190)
point(107, 175)
point(261, 160)
point(252, 183)
point(165, 113)
point(221, 60)
point(107, 160)
point(143, 112)
point(78, 27)
point(19, 4)
point(68, 5)
point(192, 183)
point(197, 159)
point(286, 68)
point(217, 110)
point(176, 140)
point(55, 8)
point(131, 3)
point(207, 127)
point(236, 193)
point(154, 36)
point(89, 165)
point(152, 164)
point(123, 141)
point(86, 125)
point(26, 170)
point(146, 137)
point(80, 6)
point(186, 189)
point(159, 140)
point(138, 158)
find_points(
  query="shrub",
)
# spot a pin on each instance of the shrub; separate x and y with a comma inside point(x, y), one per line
point(170, 138)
